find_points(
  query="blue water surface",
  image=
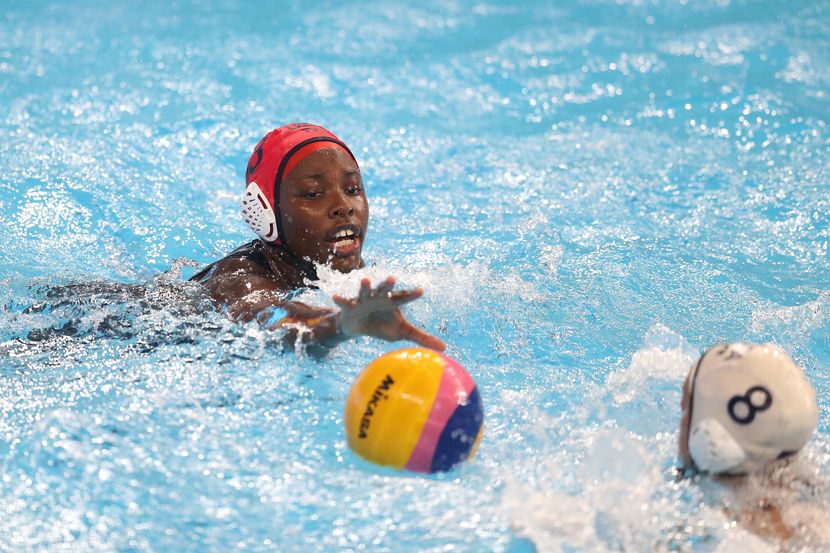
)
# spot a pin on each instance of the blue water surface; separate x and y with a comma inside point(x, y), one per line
point(590, 192)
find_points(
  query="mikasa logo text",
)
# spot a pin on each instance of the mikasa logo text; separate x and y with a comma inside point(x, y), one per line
point(373, 403)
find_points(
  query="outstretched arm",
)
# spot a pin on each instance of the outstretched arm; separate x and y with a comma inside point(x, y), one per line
point(374, 312)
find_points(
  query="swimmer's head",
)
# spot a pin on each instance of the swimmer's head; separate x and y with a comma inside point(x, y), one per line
point(304, 192)
point(744, 406)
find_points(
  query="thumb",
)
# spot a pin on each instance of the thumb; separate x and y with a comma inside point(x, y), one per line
point(422, 338)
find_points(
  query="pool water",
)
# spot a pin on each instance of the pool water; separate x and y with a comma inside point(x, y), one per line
point(590, 192)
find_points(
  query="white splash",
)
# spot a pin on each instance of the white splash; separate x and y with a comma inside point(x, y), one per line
point(665, 355)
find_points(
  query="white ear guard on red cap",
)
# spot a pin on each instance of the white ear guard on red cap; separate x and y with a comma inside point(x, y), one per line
point(258, 213)
point(750, 405)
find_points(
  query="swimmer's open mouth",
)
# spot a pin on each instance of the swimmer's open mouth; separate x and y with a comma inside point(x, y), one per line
point(345, 239)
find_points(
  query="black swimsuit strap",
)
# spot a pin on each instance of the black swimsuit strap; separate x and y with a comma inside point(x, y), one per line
point(254, 252)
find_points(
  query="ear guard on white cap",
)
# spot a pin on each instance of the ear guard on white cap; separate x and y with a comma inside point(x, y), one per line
point(258, 213)
point(713, 448)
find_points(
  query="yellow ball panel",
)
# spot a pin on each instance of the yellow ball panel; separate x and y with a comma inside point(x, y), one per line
point(474, 449)
point(389, 404)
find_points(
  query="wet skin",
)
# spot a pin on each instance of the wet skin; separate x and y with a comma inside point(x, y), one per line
point(323, 194)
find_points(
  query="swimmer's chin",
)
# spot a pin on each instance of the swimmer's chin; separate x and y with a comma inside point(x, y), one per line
point(346, 264)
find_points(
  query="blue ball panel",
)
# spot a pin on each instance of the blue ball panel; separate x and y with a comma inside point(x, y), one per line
point(459, 434)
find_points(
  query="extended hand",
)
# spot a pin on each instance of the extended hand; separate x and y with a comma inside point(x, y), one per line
point(376, 312)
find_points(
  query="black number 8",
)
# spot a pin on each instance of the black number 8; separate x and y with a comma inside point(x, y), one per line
point(752, 405)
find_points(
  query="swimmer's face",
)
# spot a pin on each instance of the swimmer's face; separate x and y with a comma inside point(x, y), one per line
point(324, 210)
point(683, 446)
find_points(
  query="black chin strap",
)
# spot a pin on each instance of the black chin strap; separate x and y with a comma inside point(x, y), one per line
point(307, 268)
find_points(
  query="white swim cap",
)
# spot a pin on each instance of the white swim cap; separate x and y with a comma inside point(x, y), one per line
point(749, 405)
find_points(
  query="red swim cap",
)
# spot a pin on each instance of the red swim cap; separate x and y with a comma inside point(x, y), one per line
point(275, 156)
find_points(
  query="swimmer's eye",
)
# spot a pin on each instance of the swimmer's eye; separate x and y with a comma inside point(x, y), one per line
point(311, 195)
point(354, 190)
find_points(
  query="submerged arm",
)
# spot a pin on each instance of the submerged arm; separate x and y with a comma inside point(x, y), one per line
point(781, 506)
point(763, 519)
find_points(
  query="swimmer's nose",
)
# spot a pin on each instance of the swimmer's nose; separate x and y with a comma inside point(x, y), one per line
point(341, 209)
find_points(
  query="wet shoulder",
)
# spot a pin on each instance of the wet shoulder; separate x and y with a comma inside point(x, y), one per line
point(247, 259)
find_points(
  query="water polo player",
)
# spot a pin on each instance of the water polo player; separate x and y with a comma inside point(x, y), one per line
point(304, 199)
point(748, 409)
point(744, 407)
